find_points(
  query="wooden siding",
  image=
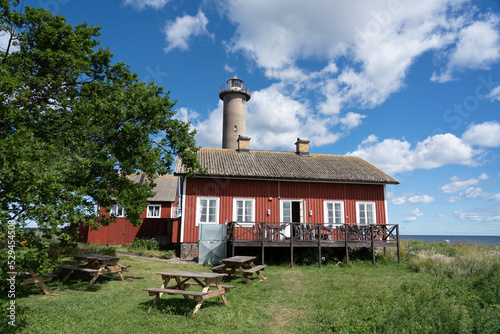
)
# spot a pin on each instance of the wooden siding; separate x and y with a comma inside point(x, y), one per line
point(122, 232)
point(267, 195)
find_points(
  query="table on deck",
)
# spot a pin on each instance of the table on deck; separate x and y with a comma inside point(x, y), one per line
point(96, 265)
point(183, 280)
point(240, 265)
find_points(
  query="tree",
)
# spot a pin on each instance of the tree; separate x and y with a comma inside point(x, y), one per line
point(73, 125)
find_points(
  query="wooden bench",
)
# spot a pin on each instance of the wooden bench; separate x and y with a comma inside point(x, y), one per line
point(218, 268)
point(36, 278)
point(156, 291)
point(226, 287)
point(43, 278)
point(123, 266)
point(253, 270)
point(87, 270)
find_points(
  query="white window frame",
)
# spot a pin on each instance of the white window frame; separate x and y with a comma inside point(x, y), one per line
point(358, 214)
point(325, 206)
point(114, 209)
point(199, 210)
point(252, 213)
point(148, 215)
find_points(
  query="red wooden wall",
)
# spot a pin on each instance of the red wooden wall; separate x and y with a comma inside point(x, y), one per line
point(122, 232)
point(267, 196)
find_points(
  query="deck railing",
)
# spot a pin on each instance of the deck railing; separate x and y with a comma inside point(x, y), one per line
point(307, 232)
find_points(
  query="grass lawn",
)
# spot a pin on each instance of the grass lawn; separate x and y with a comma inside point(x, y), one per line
point(359, 298)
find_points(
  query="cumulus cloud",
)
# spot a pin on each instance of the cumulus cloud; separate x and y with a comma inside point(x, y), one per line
point(412, 199)
point(179, 32)
point(478, 46)
point(485, 134)
point(490, 215)
point(397, 156)
point(414, 214)
point(495, 94)
point(142, 4)
point(467, 189)
point(382, 40)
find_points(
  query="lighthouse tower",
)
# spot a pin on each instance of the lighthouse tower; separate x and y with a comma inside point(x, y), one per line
point(235, 95)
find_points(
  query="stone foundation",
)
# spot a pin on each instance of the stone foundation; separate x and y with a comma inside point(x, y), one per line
point(189, 251)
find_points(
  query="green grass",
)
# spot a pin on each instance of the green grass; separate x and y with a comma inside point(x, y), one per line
point(357, 298)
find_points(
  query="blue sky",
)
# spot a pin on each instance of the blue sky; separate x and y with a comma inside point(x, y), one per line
point(412, 87)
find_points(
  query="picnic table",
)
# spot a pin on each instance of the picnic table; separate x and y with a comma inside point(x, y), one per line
point(210, 282)
point(240, 265)
point(95, 265)
point(35, 278)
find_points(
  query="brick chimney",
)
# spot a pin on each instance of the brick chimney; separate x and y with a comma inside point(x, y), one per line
point(302, 147)
point(243, 144)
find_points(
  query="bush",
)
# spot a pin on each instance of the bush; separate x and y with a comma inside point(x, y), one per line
point(143, 244)
point(167, 254)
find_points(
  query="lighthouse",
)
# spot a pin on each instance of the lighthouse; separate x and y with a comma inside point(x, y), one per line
point(234, 94)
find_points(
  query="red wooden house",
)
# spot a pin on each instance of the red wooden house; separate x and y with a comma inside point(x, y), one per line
point(160, 217)
point(254, 187)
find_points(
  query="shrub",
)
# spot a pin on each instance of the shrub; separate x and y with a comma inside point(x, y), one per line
point(143, 244)
point(167, 254)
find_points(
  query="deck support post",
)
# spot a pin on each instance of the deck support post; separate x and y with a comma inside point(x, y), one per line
point(319, 246)
point(397, 237)
point(346, 244)
point(291, 244)
point(373, 244)
point(262, 242)
point(233, 228)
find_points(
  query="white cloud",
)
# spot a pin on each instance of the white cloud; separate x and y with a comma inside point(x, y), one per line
point(415, 199)
point(478, 46)
point(467, 189)
point(397, 156)
point(414, 214)
point(457, 185)
point(141, 4)
point(490, 215)
point(485, 134)
point(495, 94)
point(178, 32)
point(381, 40)
point(352, 120)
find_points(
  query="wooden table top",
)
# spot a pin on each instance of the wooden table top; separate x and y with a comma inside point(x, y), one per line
point(98, 257)
point(240, 259)
point(191, 274)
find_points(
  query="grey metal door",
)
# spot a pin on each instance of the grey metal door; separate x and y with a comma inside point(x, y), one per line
point(212, 243)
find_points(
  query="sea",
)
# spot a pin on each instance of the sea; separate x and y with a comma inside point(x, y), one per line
point(480, 239)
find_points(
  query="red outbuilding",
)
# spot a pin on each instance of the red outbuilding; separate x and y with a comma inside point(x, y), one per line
point(160, 217)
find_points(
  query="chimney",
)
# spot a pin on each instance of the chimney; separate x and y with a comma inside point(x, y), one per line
point(302, 146)
point(243, 144)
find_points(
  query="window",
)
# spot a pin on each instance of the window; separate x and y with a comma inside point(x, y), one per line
point(154, 211)
point(334, 212)
point(365, 212)
point(244, 210)
point(235, 128)
point(243, 100)
point(117, 211)
point(207, 210)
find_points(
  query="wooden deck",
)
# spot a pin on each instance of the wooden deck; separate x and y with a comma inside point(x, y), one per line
point(312, 235)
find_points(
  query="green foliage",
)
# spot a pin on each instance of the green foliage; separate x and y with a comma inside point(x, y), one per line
point(143, 244)
point(167, 254)
point(73, 125)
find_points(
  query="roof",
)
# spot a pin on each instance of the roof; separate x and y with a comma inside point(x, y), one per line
point(288, 166)
point(166, 187)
